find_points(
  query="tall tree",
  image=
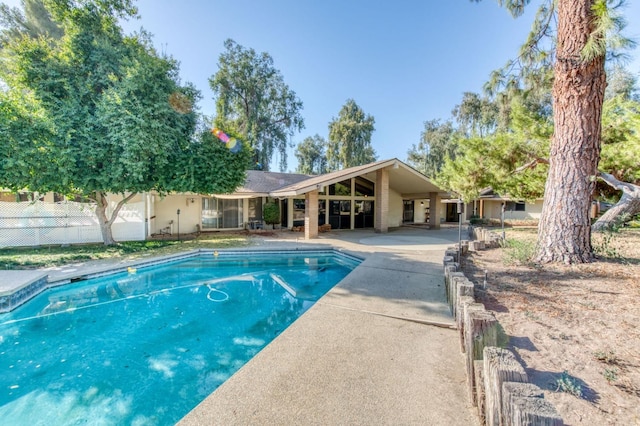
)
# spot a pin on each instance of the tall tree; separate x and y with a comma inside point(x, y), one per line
point(437, 142)
point(583, 26)
point(476, 115)
point(564, 233)
point(311, 155)
point(515, 161)
point(91, 114)
point(505, 159)
point(253, 100)
point(350, 138)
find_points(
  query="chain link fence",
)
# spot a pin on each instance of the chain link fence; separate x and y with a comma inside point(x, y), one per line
point(40, 223)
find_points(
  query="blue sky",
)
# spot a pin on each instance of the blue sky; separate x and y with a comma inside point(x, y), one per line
point(404, 62)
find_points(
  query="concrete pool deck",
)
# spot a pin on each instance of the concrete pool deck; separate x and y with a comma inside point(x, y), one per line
point(379, 348)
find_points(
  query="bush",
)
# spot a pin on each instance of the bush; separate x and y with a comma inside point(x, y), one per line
point(271, 213)
point(519, 252)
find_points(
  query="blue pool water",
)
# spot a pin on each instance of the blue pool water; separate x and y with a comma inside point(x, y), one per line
point(146, 347)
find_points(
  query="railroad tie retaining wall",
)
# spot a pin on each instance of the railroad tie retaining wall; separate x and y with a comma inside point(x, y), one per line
point(497, 382)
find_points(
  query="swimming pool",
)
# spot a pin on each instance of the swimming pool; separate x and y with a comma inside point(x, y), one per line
point(147, 346)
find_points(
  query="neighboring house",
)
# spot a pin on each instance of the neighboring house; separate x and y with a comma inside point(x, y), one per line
point(489, 206)
point(378, 196)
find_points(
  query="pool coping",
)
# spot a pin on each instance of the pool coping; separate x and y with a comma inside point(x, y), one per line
point(19, 287)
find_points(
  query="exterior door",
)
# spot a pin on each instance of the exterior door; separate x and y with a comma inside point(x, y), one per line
point(407, 215)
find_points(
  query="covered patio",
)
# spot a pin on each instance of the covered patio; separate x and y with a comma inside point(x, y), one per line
point(392, 183)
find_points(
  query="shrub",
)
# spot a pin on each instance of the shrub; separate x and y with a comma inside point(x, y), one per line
point(519, 252)
point(566, 383)
point(271, 213)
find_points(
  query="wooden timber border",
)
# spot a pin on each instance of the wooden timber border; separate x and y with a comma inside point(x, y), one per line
point(497, 382)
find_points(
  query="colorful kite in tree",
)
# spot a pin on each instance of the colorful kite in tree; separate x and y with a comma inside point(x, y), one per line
point(233, 144)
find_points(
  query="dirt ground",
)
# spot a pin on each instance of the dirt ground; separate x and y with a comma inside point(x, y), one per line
point(575, 328)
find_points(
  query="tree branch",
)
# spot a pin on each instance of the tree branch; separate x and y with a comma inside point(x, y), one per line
point(628, 188)
point(531, 164)
point(121, 203)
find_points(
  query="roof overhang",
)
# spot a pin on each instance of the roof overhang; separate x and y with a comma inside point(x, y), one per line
point(402, 179)
point(238, 196)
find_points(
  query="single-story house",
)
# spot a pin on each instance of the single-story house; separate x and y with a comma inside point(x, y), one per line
point(378, 196)
point(489, 206)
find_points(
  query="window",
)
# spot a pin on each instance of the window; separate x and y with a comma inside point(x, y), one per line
point(515, 206)
point(364, 188)
point(221, 213)
point(255, 208)
point(341, 188)
point(298, 212)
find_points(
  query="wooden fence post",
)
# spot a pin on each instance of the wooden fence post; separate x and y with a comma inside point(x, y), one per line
point(524, 404)
point(479, 382)
point(480, 330)
point(465, 304)
point(500, 365)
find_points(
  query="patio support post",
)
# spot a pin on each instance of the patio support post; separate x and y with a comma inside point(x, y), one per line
point(311, 215)
point(435, 207)
point(382, 201)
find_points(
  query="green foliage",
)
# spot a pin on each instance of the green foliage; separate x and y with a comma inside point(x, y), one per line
point(350, 138)
point(90, 113)
point(476, 116)
point(33, 22)
point(519, 252)
point(608, 356)
point(610, 374)
point(621, 139)
point(568, 384)
point(47, 257)
point(311, 156)
point(271, 213)
point(437, 142)
point(494, 160)
point(606, 36)
point(253, 101)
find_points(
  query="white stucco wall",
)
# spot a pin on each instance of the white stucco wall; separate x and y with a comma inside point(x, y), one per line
point(419, 210)
point(533, 209)
point(165, 210)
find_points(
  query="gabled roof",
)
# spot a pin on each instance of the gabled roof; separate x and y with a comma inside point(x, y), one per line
point(489, 193)
point(402, 178)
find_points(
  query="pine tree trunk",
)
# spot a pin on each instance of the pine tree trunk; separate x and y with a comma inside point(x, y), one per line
point(564, 232)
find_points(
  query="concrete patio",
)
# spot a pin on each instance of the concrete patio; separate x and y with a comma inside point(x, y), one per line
point(378, 349)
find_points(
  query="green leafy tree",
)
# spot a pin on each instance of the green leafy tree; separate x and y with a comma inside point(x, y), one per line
point(90, 114)
point(271, 213)
point(515, 161)
point(619, 166)
point(437, 142)
point(311, 156)
point(253, 100)
point(504, 160)
point(476, 116)
point(350, 138)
